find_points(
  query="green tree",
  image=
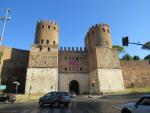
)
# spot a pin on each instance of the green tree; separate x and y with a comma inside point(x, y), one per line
point(127, 57)
point(147, 57)
point(119, 48)
point(136, 57)
point(146, 46)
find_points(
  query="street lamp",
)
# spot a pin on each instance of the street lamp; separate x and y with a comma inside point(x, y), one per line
point(5, 19)
point(17, 84)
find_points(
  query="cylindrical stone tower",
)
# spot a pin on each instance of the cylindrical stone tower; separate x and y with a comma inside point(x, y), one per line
point(46, 33)
point(99, 35)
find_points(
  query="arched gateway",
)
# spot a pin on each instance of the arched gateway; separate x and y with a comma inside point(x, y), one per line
point(74, 86)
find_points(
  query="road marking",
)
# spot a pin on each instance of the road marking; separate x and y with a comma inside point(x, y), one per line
point(117, 107)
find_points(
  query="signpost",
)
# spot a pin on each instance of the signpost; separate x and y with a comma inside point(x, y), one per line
point(17, 84)
point(2, 87)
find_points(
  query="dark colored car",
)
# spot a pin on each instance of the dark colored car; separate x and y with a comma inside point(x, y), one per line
point(55, 98)
point(7, 98)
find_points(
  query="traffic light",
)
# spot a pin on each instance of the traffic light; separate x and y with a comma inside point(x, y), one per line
point(125, 41)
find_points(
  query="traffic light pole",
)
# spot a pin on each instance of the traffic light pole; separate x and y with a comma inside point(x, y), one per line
point(139, 44)
point(125, 42)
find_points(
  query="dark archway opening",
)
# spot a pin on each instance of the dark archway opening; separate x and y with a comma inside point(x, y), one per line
point(74, 86)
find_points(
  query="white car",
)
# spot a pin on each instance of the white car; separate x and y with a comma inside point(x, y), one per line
point(141, 106)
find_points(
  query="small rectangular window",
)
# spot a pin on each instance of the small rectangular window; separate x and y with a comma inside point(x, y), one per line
point(65, 58)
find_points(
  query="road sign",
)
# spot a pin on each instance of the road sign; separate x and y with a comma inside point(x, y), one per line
point(2, 87)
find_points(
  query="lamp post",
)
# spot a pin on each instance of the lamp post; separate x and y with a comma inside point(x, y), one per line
point(5, 19)
point(17, 84)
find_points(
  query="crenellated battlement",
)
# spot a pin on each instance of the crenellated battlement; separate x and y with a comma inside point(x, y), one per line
point(47, 32)
point(72, 49)
point(98, 35)
point(47, 22)
point(97, 27)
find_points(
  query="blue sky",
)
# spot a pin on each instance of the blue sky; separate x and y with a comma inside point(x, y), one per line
point(125, 17)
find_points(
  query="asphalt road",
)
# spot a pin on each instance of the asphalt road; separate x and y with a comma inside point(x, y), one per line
point(81, 104)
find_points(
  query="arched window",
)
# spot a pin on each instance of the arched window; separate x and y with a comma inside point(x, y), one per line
point(42, 41)
point(92, 32)
point(42, 26)
point(48, 26)
point(54, 27)
point(76, 58)
point(47, 41)
point(48, 48)
point(65, 58)
point(40, 48)
point(65, 69)
point(53, 42)
point(103, 29)
point(80, 68)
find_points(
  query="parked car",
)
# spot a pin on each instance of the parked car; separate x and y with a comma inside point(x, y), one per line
point(72, 94)
point(7, 98)
point(141, 106)
point(55, 98)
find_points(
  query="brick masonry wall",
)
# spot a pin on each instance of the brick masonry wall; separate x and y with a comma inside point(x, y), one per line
point(136, 72)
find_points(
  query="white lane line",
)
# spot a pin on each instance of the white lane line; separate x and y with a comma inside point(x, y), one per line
point(117, 107)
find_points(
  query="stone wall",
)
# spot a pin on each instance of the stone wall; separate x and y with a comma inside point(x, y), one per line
point(43, 58)
point(81, 78)
point(13, 67)
point(73, 62)
point(107, 58)
point(136, 73)
point(106, 80)
point(41, 80)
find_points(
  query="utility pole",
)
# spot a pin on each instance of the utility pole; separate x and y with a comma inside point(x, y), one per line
point(4, 19)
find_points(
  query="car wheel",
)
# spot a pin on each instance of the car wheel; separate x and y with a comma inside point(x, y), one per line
point(125, 111)
point(41, 103)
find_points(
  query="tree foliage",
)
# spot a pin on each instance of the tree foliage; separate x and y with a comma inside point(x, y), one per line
point(136, 57)
point(147, 57)
point(146, 46)
point(127, 57)
point(119, 48)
